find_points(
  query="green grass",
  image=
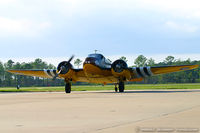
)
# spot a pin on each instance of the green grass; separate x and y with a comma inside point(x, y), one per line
point(106, 87)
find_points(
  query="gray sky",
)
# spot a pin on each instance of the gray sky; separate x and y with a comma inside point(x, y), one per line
point(55, 29)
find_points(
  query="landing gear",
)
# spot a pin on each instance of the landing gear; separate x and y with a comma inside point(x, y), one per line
point(68, 87)
point(116, 88)
point(121, 86)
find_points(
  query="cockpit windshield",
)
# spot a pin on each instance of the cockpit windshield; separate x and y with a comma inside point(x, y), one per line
point(98, 56)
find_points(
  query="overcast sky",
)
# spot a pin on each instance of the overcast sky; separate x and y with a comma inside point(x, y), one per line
point(55, 29)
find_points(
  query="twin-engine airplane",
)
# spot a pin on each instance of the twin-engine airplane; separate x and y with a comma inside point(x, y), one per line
point(97, 69)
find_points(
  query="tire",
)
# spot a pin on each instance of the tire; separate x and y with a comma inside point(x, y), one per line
point(115, 89)
point(121, 86)
point(67, 87)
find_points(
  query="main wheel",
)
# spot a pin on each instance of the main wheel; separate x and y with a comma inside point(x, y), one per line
point(115, 89)
point(121, 86)
point(68, 87)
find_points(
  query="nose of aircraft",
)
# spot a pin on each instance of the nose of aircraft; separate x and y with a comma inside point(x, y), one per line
point(90, 60)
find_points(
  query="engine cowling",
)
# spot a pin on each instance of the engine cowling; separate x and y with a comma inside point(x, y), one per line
point(120, 70)
point(64, 67)
point(119, 66)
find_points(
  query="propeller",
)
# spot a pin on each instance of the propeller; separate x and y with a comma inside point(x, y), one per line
point(57, 74)
point(63, 67)
point(119, 65)
point(70, 59)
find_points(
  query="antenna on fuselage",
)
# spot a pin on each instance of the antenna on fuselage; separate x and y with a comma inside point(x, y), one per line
point(95, 51)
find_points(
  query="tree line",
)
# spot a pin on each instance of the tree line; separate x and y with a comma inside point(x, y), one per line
point(8, 79)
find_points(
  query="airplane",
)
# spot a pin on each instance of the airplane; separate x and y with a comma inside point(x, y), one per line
point(98, 69)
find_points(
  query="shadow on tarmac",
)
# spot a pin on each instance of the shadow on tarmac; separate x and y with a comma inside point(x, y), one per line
point(126, 91)
point(154, 91)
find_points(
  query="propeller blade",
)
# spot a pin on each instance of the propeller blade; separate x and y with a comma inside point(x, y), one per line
point(70, 59)
point(57, 74)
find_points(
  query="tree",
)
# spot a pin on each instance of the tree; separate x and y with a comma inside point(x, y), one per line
point(77, 62)
point(51, 66)
point(9, 64)
point(151, 62)
point(8, 76)
point(123, 58)
point(169, 60)
point(140, 61)
point(1, 74)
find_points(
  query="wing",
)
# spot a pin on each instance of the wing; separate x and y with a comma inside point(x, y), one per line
point(37, 73)
point(74, 73)
point(131, 74)
point(142, 72)
point(170, 69)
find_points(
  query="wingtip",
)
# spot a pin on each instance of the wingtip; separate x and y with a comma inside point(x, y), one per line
point(8, 70)
point(195, 66)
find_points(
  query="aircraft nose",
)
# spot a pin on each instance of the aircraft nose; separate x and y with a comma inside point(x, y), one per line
point(90, 60)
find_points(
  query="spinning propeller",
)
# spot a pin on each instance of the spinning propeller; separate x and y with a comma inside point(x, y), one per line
point(119, 65)
point(63, 67)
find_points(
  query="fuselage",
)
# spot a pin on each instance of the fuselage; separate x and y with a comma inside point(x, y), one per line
point(97, 60)
point(96, 65)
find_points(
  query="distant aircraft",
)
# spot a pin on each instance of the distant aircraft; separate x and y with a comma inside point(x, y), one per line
point(98, 69)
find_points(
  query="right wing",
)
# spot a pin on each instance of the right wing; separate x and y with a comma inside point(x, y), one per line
point(73, 73)
point(37, 73)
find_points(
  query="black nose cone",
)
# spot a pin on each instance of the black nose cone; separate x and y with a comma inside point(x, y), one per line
point(90, 60)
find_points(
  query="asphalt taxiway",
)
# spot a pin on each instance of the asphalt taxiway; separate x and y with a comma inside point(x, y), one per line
point(100, 112)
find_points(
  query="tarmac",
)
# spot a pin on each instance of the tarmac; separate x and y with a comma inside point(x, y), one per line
point(101, 112)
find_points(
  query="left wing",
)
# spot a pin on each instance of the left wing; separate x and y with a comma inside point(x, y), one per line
point(142, 72)
point(170, 69)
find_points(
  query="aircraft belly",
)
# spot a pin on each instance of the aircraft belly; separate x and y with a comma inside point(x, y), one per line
point(96, 74)
point(101, 80)
point(91, 70)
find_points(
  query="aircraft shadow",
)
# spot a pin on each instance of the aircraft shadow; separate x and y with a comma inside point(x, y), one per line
point(154, 91)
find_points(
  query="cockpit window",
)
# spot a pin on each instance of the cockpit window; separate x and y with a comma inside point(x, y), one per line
point(99, 56)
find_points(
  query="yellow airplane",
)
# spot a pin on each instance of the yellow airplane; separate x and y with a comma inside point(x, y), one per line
point(97, 69)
